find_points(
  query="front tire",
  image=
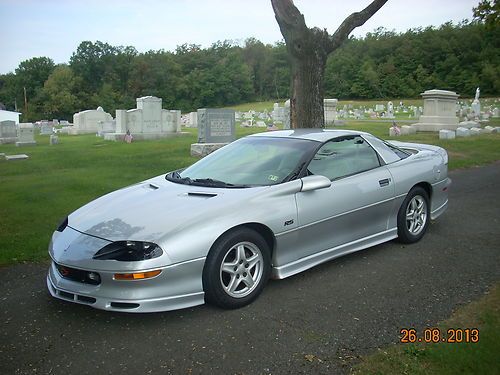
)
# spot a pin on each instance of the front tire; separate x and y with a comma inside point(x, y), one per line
point(237, 269)
point(413, 216)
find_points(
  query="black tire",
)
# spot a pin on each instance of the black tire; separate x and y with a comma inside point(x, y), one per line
point(217, 282)
point(420, 224)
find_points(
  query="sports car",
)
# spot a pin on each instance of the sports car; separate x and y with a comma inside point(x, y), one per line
point(269, 205)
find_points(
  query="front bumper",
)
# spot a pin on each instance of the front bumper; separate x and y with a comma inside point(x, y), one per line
point(178, 286)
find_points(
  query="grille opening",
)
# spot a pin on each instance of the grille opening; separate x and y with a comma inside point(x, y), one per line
point(66, 295)
point(124, 305)
point(86, 299)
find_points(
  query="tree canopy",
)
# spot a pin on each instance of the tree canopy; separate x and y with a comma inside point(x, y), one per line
point(383, 64)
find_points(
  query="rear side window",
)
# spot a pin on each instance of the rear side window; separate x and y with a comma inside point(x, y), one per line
point(343, 157)
point(387, 151)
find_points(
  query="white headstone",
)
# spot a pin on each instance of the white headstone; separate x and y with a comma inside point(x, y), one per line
point(26, 135)
point(87, 122)
point(16, 157)
point(390, 110)
point(330, 108)
point(476, 131)
point(463, 132)
point(439, 111)
point(446, 134)
point(147, 121)
point(8, 132)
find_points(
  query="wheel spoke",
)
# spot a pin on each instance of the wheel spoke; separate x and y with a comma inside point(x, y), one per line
point(240, 253)
point(228, 268)
point(248, 281)
point(414, 205)
point(252, 261)
point(233, 284)
point(421, 207)
point(412, 226)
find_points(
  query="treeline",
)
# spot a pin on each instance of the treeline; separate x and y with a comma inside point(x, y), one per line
point(381, 65)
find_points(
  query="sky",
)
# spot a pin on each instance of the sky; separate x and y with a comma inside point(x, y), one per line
point(55, 28)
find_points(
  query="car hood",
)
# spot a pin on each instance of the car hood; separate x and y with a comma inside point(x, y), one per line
point(149, 210)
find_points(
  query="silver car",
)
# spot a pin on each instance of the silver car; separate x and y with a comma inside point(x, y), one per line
point(268, 205)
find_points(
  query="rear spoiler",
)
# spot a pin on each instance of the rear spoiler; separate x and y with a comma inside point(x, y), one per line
point(420, 147)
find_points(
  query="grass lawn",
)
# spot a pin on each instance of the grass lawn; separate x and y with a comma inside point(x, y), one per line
point(35, 194)
point(447, 358)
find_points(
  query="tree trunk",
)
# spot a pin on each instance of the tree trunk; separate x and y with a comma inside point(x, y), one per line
point(306, 102)
point(308, 50)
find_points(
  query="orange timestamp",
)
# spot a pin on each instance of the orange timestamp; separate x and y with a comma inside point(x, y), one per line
point(435, 335)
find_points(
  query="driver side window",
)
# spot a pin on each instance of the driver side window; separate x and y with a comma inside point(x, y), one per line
point(343, 157)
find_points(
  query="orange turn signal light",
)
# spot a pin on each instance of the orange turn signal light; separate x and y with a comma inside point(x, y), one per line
point(137, 275)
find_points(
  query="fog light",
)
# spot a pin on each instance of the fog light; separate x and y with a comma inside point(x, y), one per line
point(94, 277)
point(137, 275)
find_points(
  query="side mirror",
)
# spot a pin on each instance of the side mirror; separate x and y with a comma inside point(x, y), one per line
point(310, 183)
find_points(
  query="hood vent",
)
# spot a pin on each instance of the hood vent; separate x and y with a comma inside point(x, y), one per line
point(154, 187)
point(201, 194)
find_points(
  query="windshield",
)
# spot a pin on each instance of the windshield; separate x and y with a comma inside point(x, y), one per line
point(250, 161)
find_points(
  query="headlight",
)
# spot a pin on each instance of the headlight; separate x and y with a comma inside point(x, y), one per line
point(129, 251)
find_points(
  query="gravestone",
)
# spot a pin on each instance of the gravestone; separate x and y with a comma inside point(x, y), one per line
point(390, 110)
point(439, 111)
point(8, 132)
point(16, 157)
point(45, 128)
point(463, 132)
point(476, 131)
point(278, 113)
point(26, 135)
point(407, 130)
point(54, 140)
point(446, 134)
point(379, 107)
point(104, 127)
point(86, 122)
point(216, 128)
point(286, 119)
point(330, 110)
point(476, 106)
point(147, 121)
point(193, 120)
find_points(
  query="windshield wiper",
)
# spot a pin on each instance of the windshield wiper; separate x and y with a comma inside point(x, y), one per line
point(176, 177)
point(215, 183)
point(295, 173)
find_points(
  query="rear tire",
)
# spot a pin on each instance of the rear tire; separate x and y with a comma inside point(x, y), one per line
point(413, 216)
point(236, 269)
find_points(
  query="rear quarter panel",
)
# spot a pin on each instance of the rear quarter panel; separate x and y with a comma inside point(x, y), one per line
point(425, 166)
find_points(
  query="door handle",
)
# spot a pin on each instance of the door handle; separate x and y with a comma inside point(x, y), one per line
point(384, 182)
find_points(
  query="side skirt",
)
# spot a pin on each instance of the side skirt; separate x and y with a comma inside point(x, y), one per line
point(310, 261)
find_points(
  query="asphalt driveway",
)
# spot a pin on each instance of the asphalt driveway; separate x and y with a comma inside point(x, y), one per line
point(317, 322)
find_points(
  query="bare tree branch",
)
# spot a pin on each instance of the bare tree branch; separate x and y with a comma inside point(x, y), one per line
point(287, 13)
point(354, 20)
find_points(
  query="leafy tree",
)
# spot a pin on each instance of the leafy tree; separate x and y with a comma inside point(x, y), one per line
point(488, 11)
point(58, 95)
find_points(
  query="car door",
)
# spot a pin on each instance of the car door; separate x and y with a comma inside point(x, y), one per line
point(355, 206)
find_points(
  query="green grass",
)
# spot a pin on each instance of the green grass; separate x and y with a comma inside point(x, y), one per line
point(447, 358)
point(35, 194)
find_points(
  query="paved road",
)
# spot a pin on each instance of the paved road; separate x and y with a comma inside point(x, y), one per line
point(319, 321)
